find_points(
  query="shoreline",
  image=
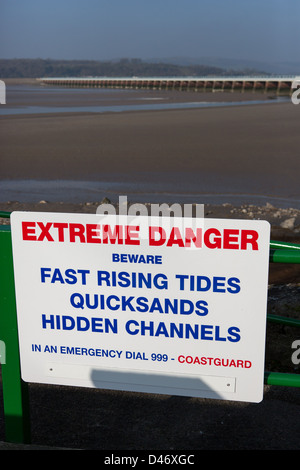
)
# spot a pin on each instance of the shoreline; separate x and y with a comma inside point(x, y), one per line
point(78, 191)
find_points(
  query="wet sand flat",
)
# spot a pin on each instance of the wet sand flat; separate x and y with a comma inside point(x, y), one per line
point(243, 149)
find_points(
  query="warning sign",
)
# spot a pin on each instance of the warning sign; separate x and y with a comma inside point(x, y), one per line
point(163, 305)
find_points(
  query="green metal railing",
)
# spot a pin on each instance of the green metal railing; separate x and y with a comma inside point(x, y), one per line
point(15, 391)
point(5, 214)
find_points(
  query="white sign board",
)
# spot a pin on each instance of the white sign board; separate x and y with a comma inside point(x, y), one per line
point(164, 305)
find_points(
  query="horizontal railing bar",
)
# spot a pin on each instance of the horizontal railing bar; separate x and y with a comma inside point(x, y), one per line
point(283, 320)
point(282, 378)
point(284, 256)
point(284, 245)
point(5, 214)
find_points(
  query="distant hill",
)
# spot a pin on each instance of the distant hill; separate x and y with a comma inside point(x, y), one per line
point(265, 67)
point(37, 68)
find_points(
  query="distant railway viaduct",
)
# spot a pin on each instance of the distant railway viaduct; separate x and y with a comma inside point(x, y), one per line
point(278, 85)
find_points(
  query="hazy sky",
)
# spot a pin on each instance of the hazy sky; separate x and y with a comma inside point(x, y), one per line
point(106, 29)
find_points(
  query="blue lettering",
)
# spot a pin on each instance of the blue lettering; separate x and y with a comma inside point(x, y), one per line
point(218, 337)
point(234, 287)
point(128, 327)
point(65, 322)
point(202, 308)
point(68, 323)
point(206, 332)
point(45, 273)
point(108, 302)
point(219, 284)
point(135, 258)
point(132, 258)
point(57, 276)
point(142, 303)
point(69, 276)
point(234, 332)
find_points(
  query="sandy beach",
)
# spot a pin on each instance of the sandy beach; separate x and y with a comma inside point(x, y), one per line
point(244, 157)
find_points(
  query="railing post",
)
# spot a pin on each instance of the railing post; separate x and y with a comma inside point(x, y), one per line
point(15, 390)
